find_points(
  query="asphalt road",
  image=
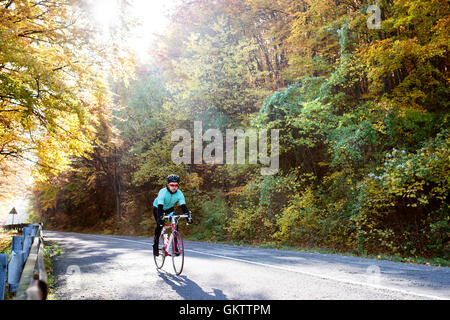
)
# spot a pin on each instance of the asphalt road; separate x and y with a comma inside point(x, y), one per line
point(93, 267)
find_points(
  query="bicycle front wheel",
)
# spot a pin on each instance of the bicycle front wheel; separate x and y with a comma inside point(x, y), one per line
point(177, 253)
point(159, 260)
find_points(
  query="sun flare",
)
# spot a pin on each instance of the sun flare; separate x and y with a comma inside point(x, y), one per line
point(150, 17)
point(105, 12)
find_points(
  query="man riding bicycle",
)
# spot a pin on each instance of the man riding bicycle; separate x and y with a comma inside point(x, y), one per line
point(163, 204)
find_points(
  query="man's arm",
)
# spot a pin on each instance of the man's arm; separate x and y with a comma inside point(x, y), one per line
point(182, 202)
point(184, 208)
point(160, 201)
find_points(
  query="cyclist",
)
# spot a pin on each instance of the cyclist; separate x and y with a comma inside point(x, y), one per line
point(164, 203)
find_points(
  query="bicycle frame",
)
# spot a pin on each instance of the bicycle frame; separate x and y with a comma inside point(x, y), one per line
point(173, 226)
point(165, 244)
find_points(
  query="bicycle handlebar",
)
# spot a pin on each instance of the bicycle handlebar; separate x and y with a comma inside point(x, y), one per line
point(168, 216)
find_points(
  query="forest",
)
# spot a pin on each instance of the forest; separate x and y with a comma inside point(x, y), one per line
point(358, 91)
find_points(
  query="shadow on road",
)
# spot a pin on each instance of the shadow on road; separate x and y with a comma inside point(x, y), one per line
point(188, 289)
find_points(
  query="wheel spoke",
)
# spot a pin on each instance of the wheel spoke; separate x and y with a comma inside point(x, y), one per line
point(177, 253)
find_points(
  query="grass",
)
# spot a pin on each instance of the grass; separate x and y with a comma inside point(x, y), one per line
point(50, 250)
point(5, 241)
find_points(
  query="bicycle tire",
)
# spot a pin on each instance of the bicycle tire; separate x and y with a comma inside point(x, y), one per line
point(177, 259)
point(159, 260)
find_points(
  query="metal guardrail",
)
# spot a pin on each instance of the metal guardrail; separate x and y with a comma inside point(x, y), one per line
point(26, 274)
point(17, 226)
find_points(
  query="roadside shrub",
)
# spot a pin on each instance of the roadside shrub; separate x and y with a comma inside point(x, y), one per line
point(406, 207)
point(215, 213)
point(353, 145)
point(300, 221)
point(253, 217)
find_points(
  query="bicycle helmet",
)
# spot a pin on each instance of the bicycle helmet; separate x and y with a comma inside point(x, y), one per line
point(173, 178)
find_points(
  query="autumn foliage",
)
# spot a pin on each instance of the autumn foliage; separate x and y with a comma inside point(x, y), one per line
point(362, 114)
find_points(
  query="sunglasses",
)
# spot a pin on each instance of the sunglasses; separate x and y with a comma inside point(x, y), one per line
point(173, 185)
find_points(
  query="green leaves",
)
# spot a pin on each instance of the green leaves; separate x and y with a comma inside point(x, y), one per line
point(411, 186)
point(215, 73)
point(343, 96)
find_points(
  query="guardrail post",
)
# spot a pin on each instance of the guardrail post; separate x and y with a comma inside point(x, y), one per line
point(17, 243)
point(27, 231)
point(34, 229)
point(3, 268)
point(27, 242)
point(41, 228)
point(15, 268)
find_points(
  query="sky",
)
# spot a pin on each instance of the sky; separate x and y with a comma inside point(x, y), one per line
point(15, 191)
point(21, 205)
point(150, 15)
point(18, 200)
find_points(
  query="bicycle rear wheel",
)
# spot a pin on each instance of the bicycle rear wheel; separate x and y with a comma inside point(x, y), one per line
point(159, 260)
point(177, 253)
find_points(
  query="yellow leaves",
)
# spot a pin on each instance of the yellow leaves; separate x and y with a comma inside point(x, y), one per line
point(5, 240)
point(407, 63)
point(51, 75)
point(193, 181)
point(249, 224)
point(55, 149)
point(299, 214)
point(91, 179)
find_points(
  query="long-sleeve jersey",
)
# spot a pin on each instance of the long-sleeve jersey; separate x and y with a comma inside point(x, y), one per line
point(168, 199)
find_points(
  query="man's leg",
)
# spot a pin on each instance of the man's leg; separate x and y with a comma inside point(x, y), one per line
point(157, 232)
point(177, 250)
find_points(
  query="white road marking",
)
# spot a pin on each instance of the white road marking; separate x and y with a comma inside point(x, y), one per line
point(322, 276)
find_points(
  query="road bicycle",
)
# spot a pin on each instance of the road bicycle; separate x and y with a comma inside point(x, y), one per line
point(172, 244)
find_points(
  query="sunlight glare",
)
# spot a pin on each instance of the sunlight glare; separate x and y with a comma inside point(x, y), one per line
point(149, 15)
point(105, 12)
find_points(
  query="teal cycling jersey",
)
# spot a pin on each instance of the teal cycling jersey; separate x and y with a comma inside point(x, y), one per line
point(168, 199)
